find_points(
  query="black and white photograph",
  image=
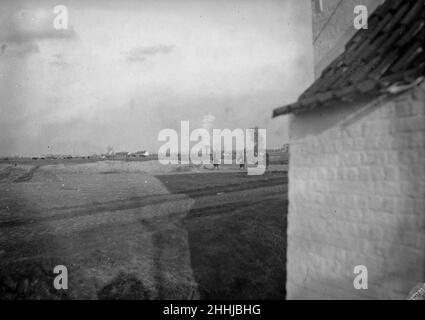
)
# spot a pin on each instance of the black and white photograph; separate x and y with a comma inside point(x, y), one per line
point(220, 150)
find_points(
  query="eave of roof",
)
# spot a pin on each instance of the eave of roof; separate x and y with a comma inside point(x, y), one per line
point(390, 52)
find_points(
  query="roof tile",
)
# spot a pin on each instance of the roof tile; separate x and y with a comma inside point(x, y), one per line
point(389, 52)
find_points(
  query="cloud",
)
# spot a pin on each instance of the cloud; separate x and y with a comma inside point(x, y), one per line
point(20, 32)
point(30, 25)
point(59, 60)
point(19, 49)
point(140, 54)
point(19, 36)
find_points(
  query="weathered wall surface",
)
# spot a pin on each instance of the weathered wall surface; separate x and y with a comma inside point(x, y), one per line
point(333, 27)
point(357, 197)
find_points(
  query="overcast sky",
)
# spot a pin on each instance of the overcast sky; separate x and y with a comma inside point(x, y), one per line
point(126, 69)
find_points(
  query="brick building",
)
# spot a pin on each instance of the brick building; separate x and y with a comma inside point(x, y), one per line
point(357, 159)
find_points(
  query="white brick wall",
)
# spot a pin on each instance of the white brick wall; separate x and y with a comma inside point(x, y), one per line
point(357, 197)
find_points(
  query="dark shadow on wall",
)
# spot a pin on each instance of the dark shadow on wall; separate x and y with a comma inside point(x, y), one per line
point(237, 246)
point(339, 115)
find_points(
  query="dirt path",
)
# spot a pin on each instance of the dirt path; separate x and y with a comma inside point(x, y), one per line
point(220, 234)
point(27, 176)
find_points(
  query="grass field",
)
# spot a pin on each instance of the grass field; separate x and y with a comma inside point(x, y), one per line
point(139, 230)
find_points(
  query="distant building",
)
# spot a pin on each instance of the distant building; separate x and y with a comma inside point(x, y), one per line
point(139, 154)
point(122, 154)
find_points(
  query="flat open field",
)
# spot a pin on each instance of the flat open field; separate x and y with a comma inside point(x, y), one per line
point(139, 230)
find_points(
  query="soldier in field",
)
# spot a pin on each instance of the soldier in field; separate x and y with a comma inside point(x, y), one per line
point(241, 159)
point(216, 160)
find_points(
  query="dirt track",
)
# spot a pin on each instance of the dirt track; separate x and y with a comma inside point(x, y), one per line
point(141, 234)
